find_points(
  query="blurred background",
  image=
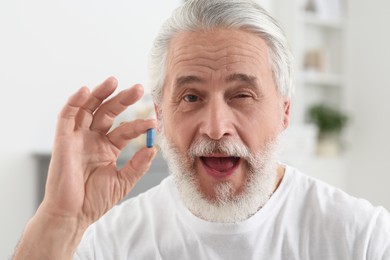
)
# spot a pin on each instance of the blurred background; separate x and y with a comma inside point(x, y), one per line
point(48, 49)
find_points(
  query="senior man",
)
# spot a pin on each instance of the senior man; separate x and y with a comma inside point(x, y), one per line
point(221, 72)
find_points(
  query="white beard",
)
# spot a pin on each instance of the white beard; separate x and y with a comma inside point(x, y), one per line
point(226, 207)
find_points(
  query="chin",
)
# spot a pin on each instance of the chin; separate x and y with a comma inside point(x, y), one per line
point(225, 203)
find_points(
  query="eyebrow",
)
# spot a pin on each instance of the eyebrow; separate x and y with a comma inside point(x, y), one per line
point(248, 80)
point(184, 80)
point(244, 78)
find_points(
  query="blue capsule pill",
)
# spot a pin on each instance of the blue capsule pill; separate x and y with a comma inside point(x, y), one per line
point(150, 137)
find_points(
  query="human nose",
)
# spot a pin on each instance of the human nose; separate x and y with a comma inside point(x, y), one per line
point(217, 120)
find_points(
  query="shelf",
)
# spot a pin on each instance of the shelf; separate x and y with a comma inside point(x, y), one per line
point(313, 19)
point(318, 78)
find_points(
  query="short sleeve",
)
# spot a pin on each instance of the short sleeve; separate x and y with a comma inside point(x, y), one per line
point(379, 244)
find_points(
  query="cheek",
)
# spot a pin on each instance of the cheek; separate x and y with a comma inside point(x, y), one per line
point(179, 131)
point(258, 126)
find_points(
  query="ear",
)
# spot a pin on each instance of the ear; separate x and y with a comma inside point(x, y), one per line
point(286, 112)
point(157, 110)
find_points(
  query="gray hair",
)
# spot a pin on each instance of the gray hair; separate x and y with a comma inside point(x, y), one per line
point(196, 15)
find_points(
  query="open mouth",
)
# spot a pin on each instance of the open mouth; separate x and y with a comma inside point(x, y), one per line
point(220, 166)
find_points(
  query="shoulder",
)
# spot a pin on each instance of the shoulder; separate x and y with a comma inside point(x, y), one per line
point(325, 205)
point(325, 220)
point(324, 196)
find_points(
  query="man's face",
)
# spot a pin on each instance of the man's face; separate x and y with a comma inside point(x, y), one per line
point(220, 87)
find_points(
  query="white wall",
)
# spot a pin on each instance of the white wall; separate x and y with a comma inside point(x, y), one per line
point(368, 67)
point(48, 49)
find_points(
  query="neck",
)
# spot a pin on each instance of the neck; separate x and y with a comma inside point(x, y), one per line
point(279, 176)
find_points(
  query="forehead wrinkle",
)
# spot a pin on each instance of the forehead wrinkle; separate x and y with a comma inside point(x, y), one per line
point(228, 56)
point(207, 55)
point(225, 61)
point(222, 39)
point(231, 46)
point(222, 53)
point(208, 59)
point(217, 51)
point(234, 42)
point(199, 67)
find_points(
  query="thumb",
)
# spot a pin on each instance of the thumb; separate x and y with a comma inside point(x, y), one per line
point(135, 168)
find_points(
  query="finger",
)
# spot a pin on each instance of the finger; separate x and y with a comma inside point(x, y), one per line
point(125, 132)
point(66, 118)
point(135, 168)
point(104, 117)
point(98, 95)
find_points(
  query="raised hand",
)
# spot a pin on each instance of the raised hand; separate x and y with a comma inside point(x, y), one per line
point(83, 180)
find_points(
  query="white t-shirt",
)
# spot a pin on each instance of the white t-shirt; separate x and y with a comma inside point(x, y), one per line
point(304, 219)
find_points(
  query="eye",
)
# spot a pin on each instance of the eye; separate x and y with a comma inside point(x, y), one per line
point(243, 95)
point(243, 98)
point(190, 98)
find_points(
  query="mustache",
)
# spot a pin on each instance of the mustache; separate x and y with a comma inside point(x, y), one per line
point(204, 146)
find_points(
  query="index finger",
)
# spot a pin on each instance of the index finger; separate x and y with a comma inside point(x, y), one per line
point(104, 117)
point(67, 116)
point(84, 117)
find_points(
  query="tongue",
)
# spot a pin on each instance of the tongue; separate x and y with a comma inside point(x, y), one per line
point(221, 164)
